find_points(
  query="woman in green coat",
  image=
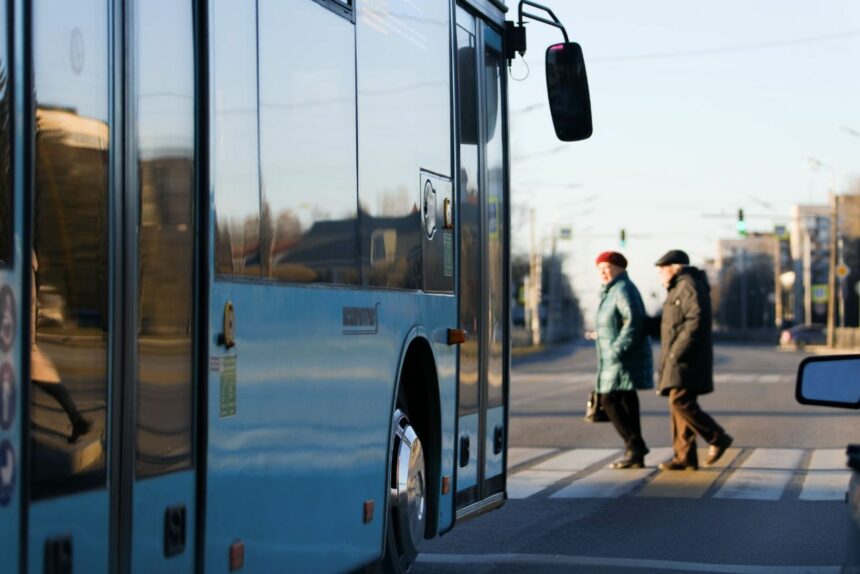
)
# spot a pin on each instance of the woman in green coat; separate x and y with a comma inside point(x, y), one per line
point(625, 364)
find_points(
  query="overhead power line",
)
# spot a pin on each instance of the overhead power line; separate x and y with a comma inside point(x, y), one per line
point(726, 49)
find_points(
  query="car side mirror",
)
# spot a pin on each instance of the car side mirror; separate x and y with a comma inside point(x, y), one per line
point(829, 380)
point(567, 89)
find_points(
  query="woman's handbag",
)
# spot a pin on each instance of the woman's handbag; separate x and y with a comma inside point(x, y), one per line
point(594, 412)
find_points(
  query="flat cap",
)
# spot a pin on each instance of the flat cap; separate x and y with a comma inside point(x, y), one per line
point(672, 257)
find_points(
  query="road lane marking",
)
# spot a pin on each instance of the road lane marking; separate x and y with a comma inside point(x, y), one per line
point(559, 560)
point(772, 379)
point(733, 378)
point(764, 475)
point(755, 484)
point(612, 483)
point(528, 482)
point(774, 459)
point(828, 459)
point(825, 485)
point(576, 459)
point(605, 483)
point(682, 484)
point(518, 455)
point(561, 378)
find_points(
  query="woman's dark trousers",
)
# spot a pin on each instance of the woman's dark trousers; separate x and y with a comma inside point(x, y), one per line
point(62, 396)
point(622, 408)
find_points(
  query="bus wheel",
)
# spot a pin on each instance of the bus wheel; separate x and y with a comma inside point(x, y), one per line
point(407, 496)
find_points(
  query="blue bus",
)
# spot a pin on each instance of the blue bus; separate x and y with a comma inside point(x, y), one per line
point(253, 279)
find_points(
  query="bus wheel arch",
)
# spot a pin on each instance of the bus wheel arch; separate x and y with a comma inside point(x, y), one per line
point(416, 432)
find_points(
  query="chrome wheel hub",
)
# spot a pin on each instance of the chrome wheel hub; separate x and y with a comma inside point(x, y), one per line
point(409, 487)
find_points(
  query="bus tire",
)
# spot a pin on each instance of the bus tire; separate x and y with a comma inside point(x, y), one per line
point(407, 500)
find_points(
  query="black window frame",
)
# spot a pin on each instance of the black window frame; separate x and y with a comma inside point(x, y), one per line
point(345, 8)
point(7, 251)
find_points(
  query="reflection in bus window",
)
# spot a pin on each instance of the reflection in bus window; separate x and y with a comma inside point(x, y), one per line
point(470, 226)
point(70, 276)
point(235, 166)
point(308, 144)
point(404, 91)
point(165, 131)
point(495, 209)
point(6, 217)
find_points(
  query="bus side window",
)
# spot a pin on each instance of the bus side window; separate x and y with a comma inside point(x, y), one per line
point(308, 143)
point(235, 174)
point(6, 216)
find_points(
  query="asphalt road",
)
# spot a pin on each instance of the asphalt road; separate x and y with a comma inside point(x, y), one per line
point(775, 504)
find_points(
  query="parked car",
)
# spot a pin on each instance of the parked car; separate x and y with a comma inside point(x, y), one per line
point(800, 336)
point(834, 381)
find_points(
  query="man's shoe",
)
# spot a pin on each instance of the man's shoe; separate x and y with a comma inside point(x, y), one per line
point(677, 465)
point(718, 449)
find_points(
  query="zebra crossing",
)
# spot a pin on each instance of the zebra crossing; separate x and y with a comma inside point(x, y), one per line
point(760, 474)
point(578, 378)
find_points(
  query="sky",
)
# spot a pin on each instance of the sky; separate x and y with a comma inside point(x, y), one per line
point(699, 109)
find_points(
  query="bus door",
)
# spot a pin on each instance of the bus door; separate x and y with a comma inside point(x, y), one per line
point(11, 219)
point(108, 270)
point(483, 278)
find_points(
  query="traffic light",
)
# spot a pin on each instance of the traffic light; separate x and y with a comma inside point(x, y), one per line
point(741, 224)
point(623, 238)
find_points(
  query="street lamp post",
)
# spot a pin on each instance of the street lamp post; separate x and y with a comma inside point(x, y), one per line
point(834, 235)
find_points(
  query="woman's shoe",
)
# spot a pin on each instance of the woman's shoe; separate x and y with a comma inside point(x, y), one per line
point(630, 460)
point(80, 426)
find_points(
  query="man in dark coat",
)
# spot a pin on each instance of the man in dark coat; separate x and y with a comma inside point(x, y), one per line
point(687, 361)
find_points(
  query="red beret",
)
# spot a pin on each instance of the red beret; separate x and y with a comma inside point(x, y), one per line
point(612, 257)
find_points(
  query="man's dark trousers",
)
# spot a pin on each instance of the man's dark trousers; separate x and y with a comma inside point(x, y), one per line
point(688, 418)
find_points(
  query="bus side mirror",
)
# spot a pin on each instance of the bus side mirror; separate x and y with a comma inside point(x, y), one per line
point(567, 88)
point(829, 380)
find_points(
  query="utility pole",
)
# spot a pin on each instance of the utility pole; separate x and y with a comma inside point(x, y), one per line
point(831, 271)
point(777, 276)
point(552, 304)
point(807, 277)
point(842, 282)
point(743, 268)
point(534, 293)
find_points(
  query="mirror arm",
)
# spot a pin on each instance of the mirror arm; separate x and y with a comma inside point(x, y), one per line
point(554, 22)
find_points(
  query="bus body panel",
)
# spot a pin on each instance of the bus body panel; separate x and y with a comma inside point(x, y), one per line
point(83, 517)
point(467, 476)
point(150, 497)
point(495, 455)
point(294, 457)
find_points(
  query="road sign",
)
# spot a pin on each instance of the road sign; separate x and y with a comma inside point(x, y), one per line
point(819, 293)
point(842, 271)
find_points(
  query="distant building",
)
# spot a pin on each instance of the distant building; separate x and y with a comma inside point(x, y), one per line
point(742, 277)
point(849, 255)
point(810, 251)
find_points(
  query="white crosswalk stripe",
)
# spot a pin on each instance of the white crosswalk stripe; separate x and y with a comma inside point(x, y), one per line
point(579, 378)
point(825, 485)
point(576, 459)
point(763, 474)
point(521, 455)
